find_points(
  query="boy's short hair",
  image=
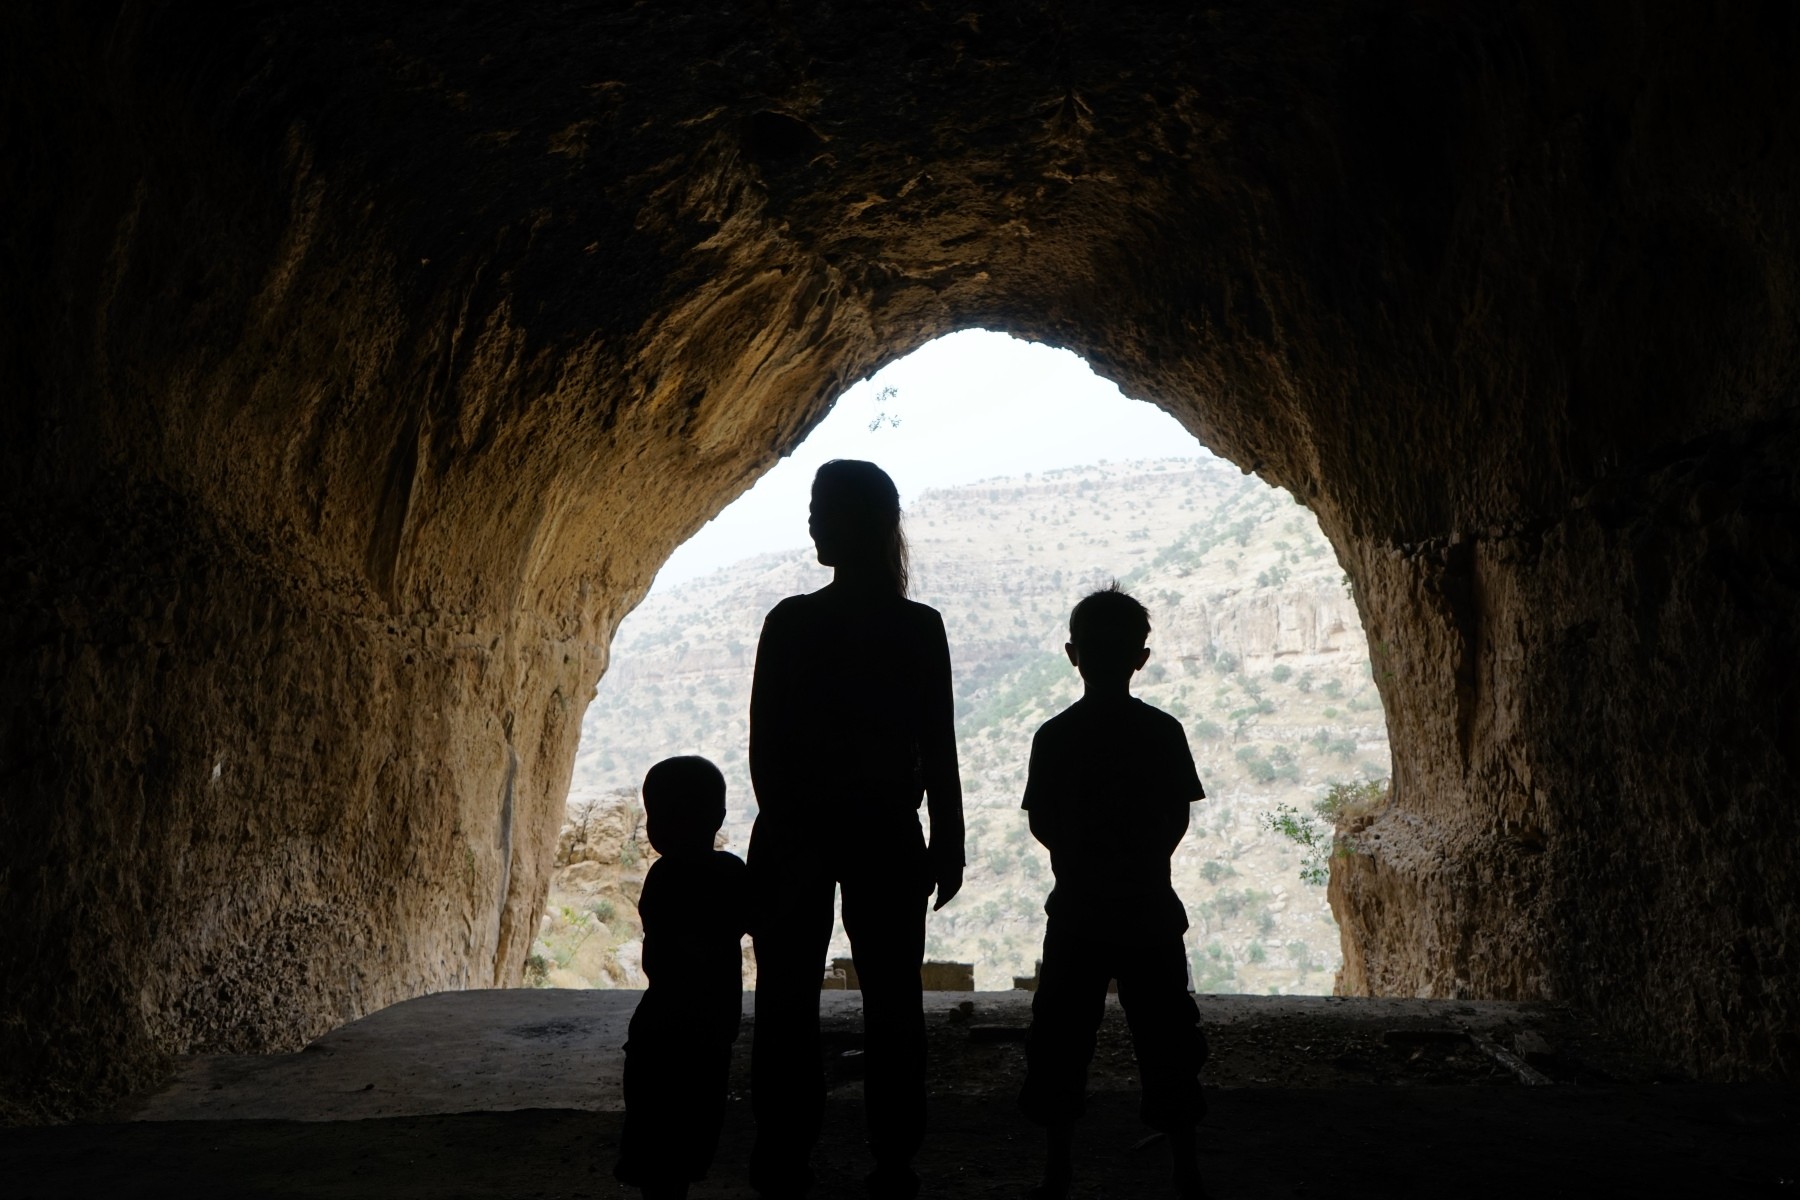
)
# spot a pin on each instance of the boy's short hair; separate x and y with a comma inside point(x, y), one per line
point(687, 788)
point(1109, 621)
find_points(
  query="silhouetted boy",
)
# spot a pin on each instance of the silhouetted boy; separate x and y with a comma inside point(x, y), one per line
point(1108, 792)
point(678, 1056)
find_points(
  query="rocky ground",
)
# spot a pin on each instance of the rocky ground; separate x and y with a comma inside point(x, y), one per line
point(1309, 1096)
point(1257, 647)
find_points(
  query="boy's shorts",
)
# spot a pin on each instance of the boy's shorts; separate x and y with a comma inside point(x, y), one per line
point(1079, 962)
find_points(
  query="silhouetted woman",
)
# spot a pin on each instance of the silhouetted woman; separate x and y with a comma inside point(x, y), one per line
point(850, 725)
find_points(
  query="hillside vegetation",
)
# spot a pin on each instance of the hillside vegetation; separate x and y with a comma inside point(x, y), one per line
point(1256, 648)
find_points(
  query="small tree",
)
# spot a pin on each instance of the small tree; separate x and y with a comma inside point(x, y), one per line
point(1315, 833)
point(885, 397)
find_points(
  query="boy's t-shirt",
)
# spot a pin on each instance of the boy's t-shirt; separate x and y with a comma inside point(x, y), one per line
point(693, 908)
point(1111, 779)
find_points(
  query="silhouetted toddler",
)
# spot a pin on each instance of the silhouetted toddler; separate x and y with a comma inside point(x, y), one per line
point(1110, 782)
point(678, 1053)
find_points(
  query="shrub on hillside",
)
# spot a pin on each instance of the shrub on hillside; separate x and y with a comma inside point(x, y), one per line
point(1316, 834)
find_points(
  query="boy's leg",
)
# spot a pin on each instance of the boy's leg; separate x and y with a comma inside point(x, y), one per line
point(1066, 1013)
point(1184, 1163)
point(792, 899)
point(1059, 1162)
point(1171, 1049)
point(884, 916)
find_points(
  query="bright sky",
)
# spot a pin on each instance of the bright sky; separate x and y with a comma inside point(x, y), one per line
point(970, 406)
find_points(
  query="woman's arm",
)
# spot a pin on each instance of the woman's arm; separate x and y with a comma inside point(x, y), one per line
point(937, 754)
point(771, 752)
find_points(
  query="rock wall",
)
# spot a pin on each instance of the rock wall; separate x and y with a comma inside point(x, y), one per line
point(363, 365)
point(1618, 688)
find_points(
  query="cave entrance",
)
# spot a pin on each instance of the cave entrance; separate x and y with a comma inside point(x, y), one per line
point(1028, 480)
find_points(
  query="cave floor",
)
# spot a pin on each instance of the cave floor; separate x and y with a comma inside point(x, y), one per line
point(516, 1093)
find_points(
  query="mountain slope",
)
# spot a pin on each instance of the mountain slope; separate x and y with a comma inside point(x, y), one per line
point(1256, 648)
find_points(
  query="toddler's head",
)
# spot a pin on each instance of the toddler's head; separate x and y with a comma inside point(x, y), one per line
point(684, 803)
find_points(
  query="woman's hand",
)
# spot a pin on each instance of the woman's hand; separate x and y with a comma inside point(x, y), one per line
point(946, 874)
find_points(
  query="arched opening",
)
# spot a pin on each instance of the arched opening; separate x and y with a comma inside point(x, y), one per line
point(1029, 481)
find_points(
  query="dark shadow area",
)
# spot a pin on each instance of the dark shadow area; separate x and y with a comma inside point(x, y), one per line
point(1308, 1096)
point(1379, 1143)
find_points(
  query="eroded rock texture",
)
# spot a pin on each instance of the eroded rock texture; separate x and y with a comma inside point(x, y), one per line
point(362, 366)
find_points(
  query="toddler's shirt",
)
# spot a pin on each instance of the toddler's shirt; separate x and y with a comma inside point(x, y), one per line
point(693, 908)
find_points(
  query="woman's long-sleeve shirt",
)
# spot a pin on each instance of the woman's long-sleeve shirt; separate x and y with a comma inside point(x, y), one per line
point(851, 714)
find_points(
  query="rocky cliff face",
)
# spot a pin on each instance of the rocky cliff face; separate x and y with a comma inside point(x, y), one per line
point(364, 365)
